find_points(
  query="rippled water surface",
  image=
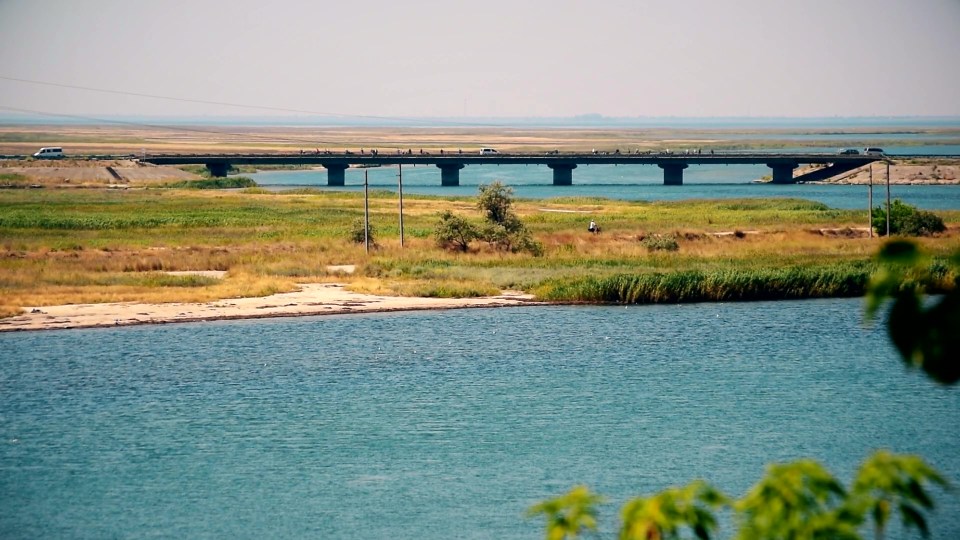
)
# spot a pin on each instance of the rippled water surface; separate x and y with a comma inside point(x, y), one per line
point(441, 424)
point(628, 182)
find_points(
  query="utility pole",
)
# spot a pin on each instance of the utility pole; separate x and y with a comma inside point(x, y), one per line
point(870, 202)
point(400, 190)
point(366, 213)
point(888, 198)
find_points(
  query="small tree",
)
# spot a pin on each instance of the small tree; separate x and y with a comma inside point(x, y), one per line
point(504, 230)
point(906, 220)
point(495, 201)
point(454, 232)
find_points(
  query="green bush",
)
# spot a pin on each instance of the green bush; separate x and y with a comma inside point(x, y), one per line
point(232, 182)
point(503, 229)
point(660, 243)
point(495, 201)
point(906, 220)
point(454, 232)
point(357, 233)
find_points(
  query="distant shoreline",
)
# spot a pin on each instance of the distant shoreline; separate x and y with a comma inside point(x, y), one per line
point(582, 120)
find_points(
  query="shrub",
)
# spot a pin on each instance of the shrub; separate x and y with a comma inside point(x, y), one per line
point(906, 220)
point(357, 234)
point(495, 201)
point(215, 183)
point(660, 243)
point(14, 180)
point(504, 230)
point(454, 232)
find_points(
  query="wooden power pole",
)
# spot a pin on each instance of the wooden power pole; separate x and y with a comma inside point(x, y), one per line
point(366, 213)
point(400, 190)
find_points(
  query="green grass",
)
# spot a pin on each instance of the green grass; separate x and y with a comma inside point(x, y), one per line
point(230, 182)
point(14, 180)
point(77, 241)
point(844, 279)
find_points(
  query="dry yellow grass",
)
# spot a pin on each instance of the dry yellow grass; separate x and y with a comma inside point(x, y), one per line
point(97, 246)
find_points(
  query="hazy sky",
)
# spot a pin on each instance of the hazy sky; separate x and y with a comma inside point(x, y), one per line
point(507, 58)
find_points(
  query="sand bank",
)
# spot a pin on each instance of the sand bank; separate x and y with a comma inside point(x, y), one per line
point(928, 173)
point(311, 299)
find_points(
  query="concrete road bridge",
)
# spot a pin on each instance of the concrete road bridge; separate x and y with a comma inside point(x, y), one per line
point(562, 164)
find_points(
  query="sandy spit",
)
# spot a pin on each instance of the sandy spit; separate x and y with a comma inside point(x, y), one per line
point(311, 299)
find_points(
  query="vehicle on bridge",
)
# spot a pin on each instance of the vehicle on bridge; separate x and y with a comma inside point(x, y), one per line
point(873, 151)
point(849, 152)
point(49, 152)
point(488, 152)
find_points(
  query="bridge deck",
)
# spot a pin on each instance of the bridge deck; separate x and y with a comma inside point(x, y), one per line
point(383, 158)
point(562, 164)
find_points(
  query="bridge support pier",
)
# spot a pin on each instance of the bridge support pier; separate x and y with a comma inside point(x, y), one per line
point(562, 173)
point(672, 173)
point(450, 173)
point(218, 170)
point(782, 172)
point(335, 173)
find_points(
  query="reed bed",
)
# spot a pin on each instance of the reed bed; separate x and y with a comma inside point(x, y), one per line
point(721, 285)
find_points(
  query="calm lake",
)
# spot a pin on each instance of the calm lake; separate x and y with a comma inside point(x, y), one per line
point(447, 424)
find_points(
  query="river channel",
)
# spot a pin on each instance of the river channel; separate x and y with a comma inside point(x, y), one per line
point(446, 424)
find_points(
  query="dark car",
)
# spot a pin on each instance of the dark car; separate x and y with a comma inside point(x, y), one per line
point(849, 152)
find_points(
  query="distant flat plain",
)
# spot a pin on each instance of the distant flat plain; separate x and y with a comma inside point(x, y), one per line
point(113, 139)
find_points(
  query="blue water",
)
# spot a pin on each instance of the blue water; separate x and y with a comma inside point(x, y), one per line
point(438, 425)
point(635, 182)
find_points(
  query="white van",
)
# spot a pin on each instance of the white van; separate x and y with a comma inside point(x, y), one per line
point(49, 152)
point(488, 152)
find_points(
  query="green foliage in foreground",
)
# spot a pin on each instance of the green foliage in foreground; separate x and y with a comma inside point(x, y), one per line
point(837, 280)
point(802, 500)
point(230, 182)
point(570, 514)
point(906, 220)
point(799, 500)
point(926, 333)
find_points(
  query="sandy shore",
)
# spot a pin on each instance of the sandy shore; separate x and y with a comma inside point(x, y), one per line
point(931, 172)
point(311, 299)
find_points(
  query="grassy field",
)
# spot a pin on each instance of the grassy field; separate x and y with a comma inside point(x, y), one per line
point(78, 246)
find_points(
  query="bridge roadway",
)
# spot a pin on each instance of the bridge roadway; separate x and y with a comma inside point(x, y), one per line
point(562, 164)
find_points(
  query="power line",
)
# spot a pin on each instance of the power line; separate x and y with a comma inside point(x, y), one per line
point(240, 105)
